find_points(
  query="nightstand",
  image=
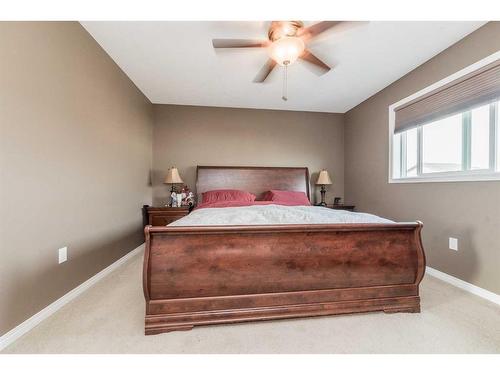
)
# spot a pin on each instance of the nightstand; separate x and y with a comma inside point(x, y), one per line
point(346, 207)
point(161, 216)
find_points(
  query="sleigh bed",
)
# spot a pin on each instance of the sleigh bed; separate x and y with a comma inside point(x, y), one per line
point(214, 274)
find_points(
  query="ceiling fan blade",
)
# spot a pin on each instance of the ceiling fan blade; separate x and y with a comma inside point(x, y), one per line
point(311, 58)
point(239, 43)
point(316, 29)
point(265, 71)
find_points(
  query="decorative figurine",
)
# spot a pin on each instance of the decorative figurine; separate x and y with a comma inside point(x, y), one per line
point(173, 199)
point(187, 196)
point(190, 199)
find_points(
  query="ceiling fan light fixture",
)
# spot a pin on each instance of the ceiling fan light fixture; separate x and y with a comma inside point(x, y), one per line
point(286, 50)
point(286, 42)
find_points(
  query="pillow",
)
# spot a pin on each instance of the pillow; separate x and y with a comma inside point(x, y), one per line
point(296, 198)
point(226, 195)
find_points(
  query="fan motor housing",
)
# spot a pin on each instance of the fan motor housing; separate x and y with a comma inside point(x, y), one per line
point(279, 29)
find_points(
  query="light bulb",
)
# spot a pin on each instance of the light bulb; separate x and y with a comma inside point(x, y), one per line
point(287, 29)
point(286, 50)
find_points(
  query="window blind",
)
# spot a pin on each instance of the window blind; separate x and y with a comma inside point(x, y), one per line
point(476, 88)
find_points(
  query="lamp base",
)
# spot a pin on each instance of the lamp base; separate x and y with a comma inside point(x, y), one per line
point(323, 196)
point(171, 204)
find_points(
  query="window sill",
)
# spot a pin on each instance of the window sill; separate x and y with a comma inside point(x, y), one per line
point(448, 178)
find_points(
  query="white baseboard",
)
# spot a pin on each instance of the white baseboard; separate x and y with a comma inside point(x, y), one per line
point(486, 294)
point(36, 319)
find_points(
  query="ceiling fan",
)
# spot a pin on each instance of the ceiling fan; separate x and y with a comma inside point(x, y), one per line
point(287, 42)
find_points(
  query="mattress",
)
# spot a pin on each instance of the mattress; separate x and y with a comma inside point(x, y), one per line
point(274, 214)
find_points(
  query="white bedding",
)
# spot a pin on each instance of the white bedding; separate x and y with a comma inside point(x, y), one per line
point(274, 214)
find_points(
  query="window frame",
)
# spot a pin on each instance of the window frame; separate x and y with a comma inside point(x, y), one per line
point(490, 174)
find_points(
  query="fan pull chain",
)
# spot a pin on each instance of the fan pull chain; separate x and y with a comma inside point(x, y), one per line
point(285, 82)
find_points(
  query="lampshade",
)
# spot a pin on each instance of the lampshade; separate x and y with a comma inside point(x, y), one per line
point(173, 176)
point(324, 178)
point(286, 50)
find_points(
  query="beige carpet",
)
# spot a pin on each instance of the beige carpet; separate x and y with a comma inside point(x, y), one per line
point(109, 319)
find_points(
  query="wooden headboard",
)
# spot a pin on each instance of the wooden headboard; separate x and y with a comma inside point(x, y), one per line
point(256, 180)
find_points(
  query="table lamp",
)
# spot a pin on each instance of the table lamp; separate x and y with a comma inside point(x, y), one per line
point(323, 179)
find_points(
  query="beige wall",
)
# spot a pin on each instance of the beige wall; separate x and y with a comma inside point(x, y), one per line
point(469, 211)
point(75, 154)
point(187, 136)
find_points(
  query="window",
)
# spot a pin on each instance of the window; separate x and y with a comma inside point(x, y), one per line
point(480, 136)
point(442, 145)
point(459, 145)
point(450, 130)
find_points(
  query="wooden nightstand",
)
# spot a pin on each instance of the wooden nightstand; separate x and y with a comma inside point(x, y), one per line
point(161, 216)
point(346, 207)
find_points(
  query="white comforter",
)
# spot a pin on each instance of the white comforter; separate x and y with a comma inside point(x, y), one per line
point(274, 214)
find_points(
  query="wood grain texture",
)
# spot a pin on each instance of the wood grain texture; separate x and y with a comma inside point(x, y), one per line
point(161, 216)
point(221, 274)
point(253, 263)
point(175, 322)
point(256, 180)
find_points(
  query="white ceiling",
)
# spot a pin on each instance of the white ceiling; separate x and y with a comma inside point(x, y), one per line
point(174, 62)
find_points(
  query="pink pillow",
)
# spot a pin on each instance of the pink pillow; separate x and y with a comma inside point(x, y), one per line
point(226, 195)
point(296, 198)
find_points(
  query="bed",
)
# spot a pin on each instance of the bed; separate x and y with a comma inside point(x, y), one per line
point(213, 274)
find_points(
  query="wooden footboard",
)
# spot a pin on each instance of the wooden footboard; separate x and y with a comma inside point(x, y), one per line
point(212, 275)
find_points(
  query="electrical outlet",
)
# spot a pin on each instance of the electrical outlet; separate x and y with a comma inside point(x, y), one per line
point(63, 254)
point(453, 243)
